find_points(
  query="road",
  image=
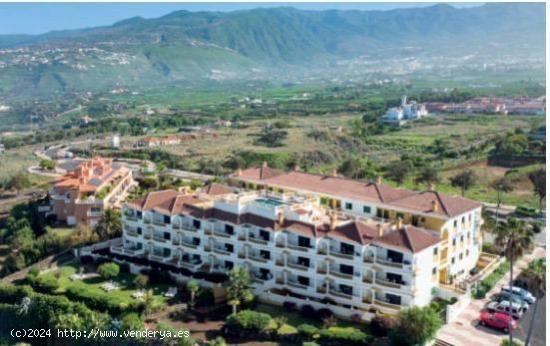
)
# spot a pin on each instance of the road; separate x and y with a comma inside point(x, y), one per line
point(538, 337)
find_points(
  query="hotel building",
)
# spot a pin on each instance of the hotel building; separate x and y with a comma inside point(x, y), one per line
point(82, 195)
point(296, 247)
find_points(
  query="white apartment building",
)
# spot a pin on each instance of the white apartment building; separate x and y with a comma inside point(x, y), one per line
point(406, 111)
point(296, 249)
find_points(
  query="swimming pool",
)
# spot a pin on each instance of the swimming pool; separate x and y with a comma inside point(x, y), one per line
point(269, 202)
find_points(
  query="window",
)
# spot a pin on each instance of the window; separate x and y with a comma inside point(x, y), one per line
point(346, 269)
point(366, 209)
point(139, 230)
point(303, 241)
point(346, 289)
point(434, 270)
point(393, 299)
point(462, 238)
point(379, 212)
point(349, 206)
point(454, 241)
point(303, 280)
point(460, 257)
point(386, 214)
point(346, 249)
point(229, 229)
point(196, 241)
point(167, 235)
point(229, 248)
point(455, 223)
point(467, 253)
point(166, 252)
point(197, 224)
point(399, 215)
point(265, 254)
point(469, 217)
point(435, 251)
point(463, 220)
point(167, 219)
point(139, 214)
point(395, 257)
point(453, 260)
point(228, 265)
point(264, 235)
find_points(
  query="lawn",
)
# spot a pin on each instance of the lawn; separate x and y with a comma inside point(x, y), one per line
point(93, 285)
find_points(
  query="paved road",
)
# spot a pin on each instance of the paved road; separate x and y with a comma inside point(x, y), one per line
point(538, 338)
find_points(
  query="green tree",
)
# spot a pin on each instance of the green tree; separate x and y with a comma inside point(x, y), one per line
point(132, 321)
point(140, 281)
point(148, 303)
point(415, 326)
point(516, 239)
point(463, 180)
point(501, 186)
point(357, 168)
point(399, 170)
point(538, 179)
point(108, 270)
point(427, 175)
point(110, 225)
point(19, 182)
point(193, 288)
point(239, 288)
point(47, 164)
point(536, 278)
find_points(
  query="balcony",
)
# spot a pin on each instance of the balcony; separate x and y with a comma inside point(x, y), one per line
point(339, 274)
point(369, 259)
point(321, 270)
point(159, 222)
point(336, 253)
point(241, 237)
point(280, 263)
point(252, 238)
point(297, 266)
point(131, 217)
point(322, 289)
point(257, 258)
point(187, 227)
point(190, 264)
point(388, 283)
point(322, 251)
point(298, 247)
point(147, 235)
point(147, 220)
point(387, 304)
point(158, 258)
point(367, 300)
point(389, 263)
point(222, 233)
point(221, 251)
point(296, 284)
point(339, 294)
point(368, 279)
point(159, 238)
point(132, 232)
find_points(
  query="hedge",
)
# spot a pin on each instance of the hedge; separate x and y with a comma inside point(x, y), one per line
point(102, 302)
point(343, 336)
point(10, 294)
point(491, 280)
point(249, 320)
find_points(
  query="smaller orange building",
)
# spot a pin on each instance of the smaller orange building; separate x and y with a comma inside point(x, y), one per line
point(81, 196)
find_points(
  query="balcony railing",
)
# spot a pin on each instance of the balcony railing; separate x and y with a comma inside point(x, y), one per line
point(147, 235)
point(221, 251)
point(336, 253)
point(222, 233)
point(175, 242)
point(132, 233)
point(367, 300)
point(159, 222)
point(297, 284)
point(387, 304)
point(297, 266)
point(257, 240)
point(189, 244)
point(159, 238)
point(385, 262)
point(368, 279)
point(341, 275)
point(338, 293)
point(369, 259)
point(158, 258)
point(298, 247)
point(388, 283)
point(257, 258)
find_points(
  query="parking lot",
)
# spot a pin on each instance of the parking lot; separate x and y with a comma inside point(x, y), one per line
point(465, 330)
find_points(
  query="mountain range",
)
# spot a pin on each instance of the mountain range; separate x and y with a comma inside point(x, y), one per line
point(187, 46)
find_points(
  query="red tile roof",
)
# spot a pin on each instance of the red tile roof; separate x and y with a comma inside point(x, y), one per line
point(372, 192)
point(409, 238)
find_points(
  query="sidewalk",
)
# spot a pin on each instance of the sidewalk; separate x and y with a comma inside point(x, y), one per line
point(464, 330)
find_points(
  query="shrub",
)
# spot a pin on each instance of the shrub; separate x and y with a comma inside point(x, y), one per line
point(100, 301)
point(33, 272)
point(382, 325)
point(307, 311)
point(249, 320)
point(289, 306)
point(205, 297)
point(307, 331)
point(131, 321)
point(44, 284)
point(140, 281)
point(343, 336)
point(310, 343)
point(108, 270)
point(415, 326)
point(10, 294)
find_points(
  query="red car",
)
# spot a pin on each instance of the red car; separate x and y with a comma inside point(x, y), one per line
point(497, 320)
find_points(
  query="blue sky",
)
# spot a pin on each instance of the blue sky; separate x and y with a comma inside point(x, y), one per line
point(36, 18)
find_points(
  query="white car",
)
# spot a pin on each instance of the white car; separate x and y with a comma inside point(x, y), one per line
point(504, 307)
point(521, 293)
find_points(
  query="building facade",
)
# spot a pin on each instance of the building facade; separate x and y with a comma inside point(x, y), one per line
point(406, 111)
point(296, 249)
point(456, 219)
point(82, 195)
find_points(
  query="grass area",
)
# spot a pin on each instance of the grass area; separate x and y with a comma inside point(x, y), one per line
point(93, 285)
point(61, 232)
point(294, 319)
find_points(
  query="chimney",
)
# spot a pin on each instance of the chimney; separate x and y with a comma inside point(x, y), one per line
point(378, 180)
point(435, 206)
point(239, 172)
point(264, 164)
point(281, 218)
point(380, 230)
point(334, 172)
point(333, 219)
point(399, 223)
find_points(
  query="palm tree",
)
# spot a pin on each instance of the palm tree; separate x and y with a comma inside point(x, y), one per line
point(194, 289)
point(239, 288)
point(501, 185)
point(515, 238)
point(538, 179)
point(536, 278)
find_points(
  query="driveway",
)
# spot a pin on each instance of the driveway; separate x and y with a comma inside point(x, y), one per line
point(465, 329)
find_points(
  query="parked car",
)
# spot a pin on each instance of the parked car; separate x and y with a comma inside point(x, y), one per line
point(504, 307)
point(520, 292)
point(497, 320)
point(507, 296)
